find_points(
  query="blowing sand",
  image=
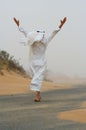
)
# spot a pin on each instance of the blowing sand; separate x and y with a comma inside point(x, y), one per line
point(78, 115)
point(13, 83)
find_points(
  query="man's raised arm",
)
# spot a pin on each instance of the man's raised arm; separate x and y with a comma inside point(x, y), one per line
point(20, 28)
point(52, 35)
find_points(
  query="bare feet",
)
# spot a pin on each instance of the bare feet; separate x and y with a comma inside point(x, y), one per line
point(37, 97)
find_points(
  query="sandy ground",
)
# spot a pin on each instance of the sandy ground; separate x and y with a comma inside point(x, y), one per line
point(12, 83)
point(78, 115)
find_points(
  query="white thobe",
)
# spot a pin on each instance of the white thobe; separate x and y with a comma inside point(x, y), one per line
point(38, 43)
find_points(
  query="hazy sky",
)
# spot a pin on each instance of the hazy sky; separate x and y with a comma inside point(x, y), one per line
point(67, 51)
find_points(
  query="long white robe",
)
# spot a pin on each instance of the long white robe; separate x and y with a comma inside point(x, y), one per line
point(38, 43)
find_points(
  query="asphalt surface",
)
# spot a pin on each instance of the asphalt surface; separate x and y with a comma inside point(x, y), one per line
point(20, 112)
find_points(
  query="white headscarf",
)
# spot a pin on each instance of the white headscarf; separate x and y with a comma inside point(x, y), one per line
point(35, 36)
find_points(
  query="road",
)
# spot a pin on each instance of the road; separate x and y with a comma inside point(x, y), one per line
point(20, 112)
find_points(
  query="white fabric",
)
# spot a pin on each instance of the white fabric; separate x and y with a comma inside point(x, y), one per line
point(30, 37)
point(38, 43)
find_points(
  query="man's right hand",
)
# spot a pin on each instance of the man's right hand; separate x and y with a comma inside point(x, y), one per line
point(62, 22)
point(16, 21)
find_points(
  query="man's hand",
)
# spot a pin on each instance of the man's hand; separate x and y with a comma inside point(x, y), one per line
point(62, 22)
point(16, 21)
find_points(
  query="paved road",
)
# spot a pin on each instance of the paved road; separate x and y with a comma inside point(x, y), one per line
point(19, 112)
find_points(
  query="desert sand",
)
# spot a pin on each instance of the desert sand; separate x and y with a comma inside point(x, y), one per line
point(12, 83)
point(78, 115)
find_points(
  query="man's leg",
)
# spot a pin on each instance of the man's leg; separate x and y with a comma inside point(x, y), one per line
point(37, 80)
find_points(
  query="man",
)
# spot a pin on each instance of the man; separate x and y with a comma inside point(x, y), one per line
point(38, 43)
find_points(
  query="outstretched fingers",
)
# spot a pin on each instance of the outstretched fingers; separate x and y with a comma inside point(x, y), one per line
point(16, 21)
point(62, 22)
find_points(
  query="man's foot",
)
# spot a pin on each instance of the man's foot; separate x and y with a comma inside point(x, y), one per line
point(37, 100)
point(37, 97)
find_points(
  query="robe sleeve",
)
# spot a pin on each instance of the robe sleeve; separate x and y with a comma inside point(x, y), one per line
point(52, 35)
point(23, 31)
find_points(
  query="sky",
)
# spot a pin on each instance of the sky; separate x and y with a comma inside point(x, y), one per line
point(66, 53)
